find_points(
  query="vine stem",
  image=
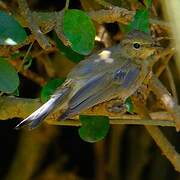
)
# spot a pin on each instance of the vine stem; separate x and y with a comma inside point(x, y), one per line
point(66, 5)
point(24, 59)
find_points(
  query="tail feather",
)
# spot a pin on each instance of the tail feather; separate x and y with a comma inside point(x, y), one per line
point(40, 114)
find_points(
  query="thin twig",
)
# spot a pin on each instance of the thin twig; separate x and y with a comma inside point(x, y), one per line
point(26, 13)
point(163, 143)
point(172, 84)
point(165, 146)
point(59, 28)
point(166, 55)
point(3, 6)
point(24, 59)
point(168, 101)
point(66, 5)
point(105, 4)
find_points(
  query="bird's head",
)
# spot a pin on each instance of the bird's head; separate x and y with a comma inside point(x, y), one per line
point(137, 44)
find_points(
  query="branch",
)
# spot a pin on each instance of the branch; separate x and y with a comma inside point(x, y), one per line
point(165, 146)
point(41, 23)
point(26, 13)
point(163, 143)
point(116, 14)
point(168, 101)
point(12, 107)
point(124, 16)
point(47, 20)
point(104, 4)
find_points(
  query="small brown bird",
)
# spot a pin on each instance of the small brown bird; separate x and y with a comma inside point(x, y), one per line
point(114, 72)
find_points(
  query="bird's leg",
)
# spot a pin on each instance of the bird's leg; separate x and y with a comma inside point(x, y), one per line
point(116, 106)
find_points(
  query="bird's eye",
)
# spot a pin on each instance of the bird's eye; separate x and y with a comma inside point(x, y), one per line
point(136, 45)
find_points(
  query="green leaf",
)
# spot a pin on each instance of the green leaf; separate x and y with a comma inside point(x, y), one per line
point(140, 21)
point(66, 51)
point(129, 105)
point(94, 128)
point(9, 80)
point(49, 88)
point(79, 30)
point(11, 32)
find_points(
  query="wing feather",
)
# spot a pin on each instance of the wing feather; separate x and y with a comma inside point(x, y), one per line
point(99, 89)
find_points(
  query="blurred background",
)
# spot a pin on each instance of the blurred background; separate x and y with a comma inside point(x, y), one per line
point(57, 152)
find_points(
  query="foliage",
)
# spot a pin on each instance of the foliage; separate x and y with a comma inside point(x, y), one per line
point(67, 51)
point(81, 36)
point(11, 32)
point(140, 21)
point(129, 105)
point(9, 80)
point(94, 128)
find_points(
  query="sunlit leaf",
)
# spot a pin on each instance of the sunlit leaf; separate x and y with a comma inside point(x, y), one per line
point(79, 30)
point(11, 32)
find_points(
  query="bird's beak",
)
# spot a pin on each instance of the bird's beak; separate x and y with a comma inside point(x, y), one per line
point(157, 46)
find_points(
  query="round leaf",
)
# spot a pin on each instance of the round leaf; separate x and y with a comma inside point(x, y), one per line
point(11, 33)
point(67, 51)
point(94, 128)
point(49, 88)
point(9, 80)
point(79, 30)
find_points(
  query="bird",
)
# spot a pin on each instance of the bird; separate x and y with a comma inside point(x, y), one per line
point(113, 72)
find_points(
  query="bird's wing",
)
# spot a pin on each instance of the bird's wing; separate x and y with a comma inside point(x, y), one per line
point(97, 63)
point(100, 88)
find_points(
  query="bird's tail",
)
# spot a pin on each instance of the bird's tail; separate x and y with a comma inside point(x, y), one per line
point(40, 114)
